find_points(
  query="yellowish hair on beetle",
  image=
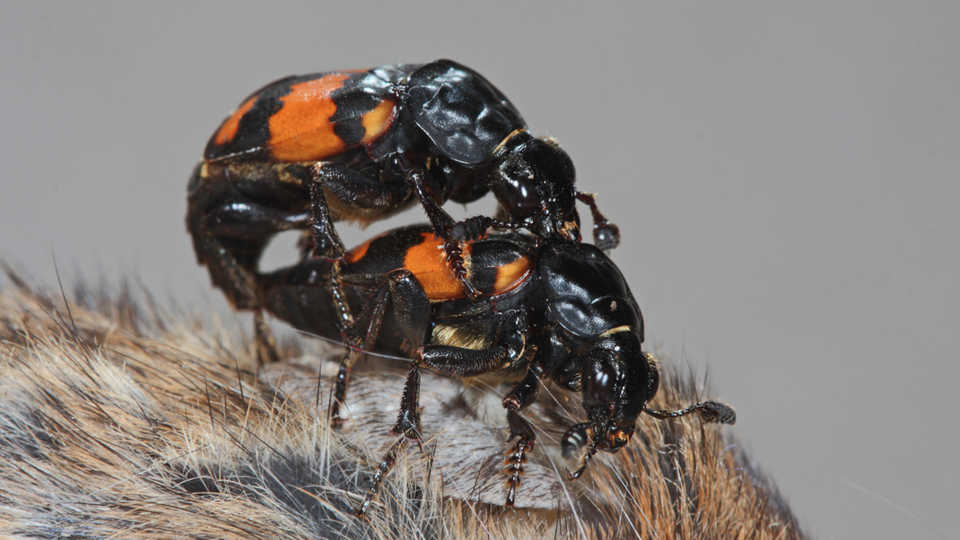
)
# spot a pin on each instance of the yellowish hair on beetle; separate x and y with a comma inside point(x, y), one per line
point(118, 419)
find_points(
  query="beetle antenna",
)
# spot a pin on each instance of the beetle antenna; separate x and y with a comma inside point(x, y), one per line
point(711, 411)
point(353, 347)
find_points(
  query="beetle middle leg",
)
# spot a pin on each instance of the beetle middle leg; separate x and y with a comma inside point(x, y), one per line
point(519, 397)
point(448, 360)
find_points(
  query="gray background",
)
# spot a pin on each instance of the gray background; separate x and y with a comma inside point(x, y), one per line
point(785, 177)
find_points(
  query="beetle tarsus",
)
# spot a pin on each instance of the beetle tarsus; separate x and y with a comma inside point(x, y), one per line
point(519, 429)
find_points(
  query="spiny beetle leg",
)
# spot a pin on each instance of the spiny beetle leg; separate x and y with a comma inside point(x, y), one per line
point(387, 463)
point(340, 389)
point(375, 318)
point(345, 323)
point(444, 226)
point(408, 420)
point(520, 396)
point(326, 241)
point(519, 429)
point(407, 426)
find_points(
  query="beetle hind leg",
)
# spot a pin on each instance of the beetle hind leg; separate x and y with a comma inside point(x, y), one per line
point(230, 229)
point(407, 427)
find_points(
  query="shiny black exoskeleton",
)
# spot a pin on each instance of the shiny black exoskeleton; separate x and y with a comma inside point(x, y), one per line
point(555, 310)
point(306, 151)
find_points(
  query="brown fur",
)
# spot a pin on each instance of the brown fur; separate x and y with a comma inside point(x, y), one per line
point(117, 421)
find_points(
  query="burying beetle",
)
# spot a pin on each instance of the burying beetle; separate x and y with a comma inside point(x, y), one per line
point(306, 151)
point(555, 310)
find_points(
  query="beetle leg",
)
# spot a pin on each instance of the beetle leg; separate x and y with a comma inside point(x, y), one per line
point(407, 426)
point(606, 235)
point(327, 244)
point(387, 463)
point(326, 241)
point(510, 344)
point(448, 230)
point(522, 395)
point(364, 197)
point(410, 307)
point(229, 240)
point(574, 440)
point(449, 360)
point(230, 228)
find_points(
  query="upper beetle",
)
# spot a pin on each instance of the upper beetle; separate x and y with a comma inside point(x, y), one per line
point(306, 151)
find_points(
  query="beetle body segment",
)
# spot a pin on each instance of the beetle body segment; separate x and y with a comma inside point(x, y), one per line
point(305, 118)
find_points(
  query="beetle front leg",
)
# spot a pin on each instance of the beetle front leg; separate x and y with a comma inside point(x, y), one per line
point(453, 232)
point(362, 197)
point(510, 339)
point(523, 394)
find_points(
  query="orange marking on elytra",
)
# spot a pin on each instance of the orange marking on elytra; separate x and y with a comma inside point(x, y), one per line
point(228, 129)
point(512, 274)
point(301, 130)
point(358, 252)
point(426, 261)
point(378, 120)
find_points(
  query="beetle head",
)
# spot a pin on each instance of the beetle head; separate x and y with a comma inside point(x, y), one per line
point(617, 382)
point(534, 182)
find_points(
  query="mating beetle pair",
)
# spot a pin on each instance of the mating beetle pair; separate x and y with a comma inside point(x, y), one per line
point(560, 311)
point(304, 152)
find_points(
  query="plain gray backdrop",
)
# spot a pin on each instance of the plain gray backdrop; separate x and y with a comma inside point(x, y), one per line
point(784, 177)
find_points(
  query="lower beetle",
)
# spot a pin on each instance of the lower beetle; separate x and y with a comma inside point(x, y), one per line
point(306, 151)
point(555, 310)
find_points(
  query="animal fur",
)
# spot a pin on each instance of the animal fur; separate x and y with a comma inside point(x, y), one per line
point(117, 420)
